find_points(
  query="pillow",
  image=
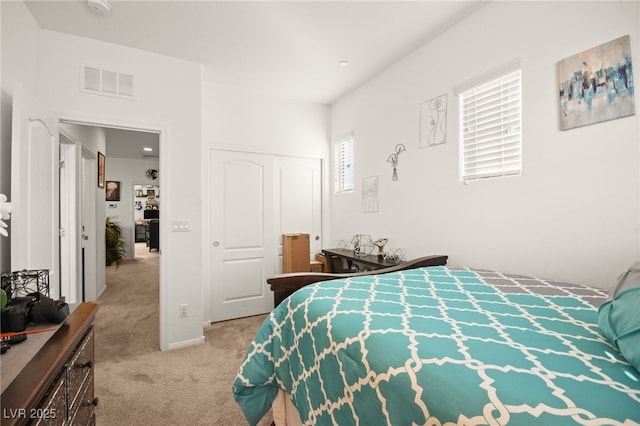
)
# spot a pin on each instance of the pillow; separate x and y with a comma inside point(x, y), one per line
point(629, 279)
point(619, 321)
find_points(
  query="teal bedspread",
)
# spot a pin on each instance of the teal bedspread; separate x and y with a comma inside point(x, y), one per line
point(438, 345)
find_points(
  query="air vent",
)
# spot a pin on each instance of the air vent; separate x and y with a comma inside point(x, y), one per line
point(105, 82)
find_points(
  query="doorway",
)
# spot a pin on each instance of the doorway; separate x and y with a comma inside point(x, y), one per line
point(83, 201)
point(146, 215)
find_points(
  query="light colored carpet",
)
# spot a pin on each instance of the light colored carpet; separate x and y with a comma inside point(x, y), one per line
point(136, 383)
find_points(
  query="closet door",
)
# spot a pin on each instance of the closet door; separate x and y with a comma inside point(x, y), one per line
point(299, 194)
point(255, 198)
point(242, 237)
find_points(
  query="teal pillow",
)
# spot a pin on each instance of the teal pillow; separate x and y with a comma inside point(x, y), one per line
point(619, 320)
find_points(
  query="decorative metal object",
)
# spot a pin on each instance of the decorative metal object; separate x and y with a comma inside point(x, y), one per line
point(21, 283)
point(380, 243)
point(362, 245)
point(393, 159)
point(395, 255)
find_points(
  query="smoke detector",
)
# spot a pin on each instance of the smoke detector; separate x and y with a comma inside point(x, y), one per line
point(99, 7)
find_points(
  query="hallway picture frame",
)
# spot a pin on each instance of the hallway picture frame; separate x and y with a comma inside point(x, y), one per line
point(113, 191)
point(101, 169)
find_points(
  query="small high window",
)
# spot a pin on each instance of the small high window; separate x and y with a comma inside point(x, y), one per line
point(343, 163)
point(491, 127)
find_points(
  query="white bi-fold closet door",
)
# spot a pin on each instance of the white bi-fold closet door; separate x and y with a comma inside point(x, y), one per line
point(255, 198)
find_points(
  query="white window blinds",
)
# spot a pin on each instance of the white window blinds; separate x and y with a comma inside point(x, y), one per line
point(491, 120)
point(343, 161)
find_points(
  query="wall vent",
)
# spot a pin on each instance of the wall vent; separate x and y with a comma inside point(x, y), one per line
point(106, 82)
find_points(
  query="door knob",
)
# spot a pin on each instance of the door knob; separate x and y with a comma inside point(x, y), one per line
point(216, 243)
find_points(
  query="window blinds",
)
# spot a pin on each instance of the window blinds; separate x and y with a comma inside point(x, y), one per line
point(343, 152)
point(492, 128)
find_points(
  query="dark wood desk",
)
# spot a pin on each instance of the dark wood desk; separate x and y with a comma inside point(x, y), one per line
point(286, 284)
point(355, 263)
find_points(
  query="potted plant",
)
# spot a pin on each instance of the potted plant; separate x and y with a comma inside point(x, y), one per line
point(115, 244)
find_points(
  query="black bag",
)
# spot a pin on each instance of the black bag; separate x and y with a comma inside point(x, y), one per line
point(48, 310)
point(34, 307)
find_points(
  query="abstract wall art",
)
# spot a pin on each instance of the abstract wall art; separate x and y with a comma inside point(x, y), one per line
point(596, 85)
point(433, 121)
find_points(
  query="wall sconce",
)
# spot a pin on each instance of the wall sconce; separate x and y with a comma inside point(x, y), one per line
point(393, 159)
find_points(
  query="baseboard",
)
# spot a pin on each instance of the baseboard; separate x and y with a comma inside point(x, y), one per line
point(186, 343)
point(101, 291)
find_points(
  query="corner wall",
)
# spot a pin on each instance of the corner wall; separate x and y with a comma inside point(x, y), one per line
point(168, 101)
point(19, 49)
point(574, 213)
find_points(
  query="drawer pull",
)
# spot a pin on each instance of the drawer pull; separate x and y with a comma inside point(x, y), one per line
point(93, 402)
point(87, 364)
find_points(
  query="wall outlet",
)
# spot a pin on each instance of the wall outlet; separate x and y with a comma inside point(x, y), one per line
point(184, 311)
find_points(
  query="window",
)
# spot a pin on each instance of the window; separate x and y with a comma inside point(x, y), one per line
point(343, 156)
point(491, 127)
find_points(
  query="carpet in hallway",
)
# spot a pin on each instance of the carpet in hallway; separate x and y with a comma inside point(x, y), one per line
point(139, 385)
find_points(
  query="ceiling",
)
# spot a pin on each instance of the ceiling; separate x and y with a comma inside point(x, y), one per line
point(290, 49)
point(131, 144)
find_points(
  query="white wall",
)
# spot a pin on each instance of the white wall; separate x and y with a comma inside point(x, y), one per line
point(19, 63)
point(128, 172)
point(240, 119)
point(574, 213)
point(233, 118)
point(168, 100)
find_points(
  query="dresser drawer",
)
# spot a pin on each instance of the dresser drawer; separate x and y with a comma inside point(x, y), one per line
point(84, 412)
point(53, 410)
point(80, 370)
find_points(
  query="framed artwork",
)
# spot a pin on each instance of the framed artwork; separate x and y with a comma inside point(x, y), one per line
point(113, 191)
point(596, 85)
point(101, 170)
point(433, 121)
point(151, 192)
point(370, 194)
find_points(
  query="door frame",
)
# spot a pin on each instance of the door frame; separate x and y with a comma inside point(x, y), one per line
point(88, 216)
point(162, 130)
point(69, 259)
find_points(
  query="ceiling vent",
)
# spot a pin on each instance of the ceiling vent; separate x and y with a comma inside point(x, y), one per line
point(105, 82)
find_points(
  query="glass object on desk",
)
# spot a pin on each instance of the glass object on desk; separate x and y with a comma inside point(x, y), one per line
point(362, 245)
point(396, 255)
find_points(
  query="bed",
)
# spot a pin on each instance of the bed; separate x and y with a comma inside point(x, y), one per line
point(437, 345)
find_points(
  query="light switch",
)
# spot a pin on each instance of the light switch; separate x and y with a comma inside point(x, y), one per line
point(180, 225)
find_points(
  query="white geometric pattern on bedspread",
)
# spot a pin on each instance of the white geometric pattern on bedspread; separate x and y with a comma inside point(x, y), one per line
point(438, 345)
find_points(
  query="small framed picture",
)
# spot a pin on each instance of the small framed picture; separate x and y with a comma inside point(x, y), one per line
point(101, 175)
point(151, 192)
point(113, 191)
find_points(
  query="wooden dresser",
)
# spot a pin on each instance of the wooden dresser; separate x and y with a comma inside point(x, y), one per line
point(55, 385)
